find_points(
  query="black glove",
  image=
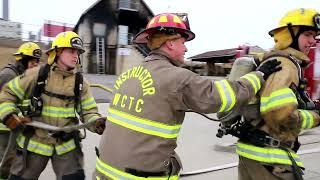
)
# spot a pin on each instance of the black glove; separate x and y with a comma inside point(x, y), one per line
point(269, 67)
point(100, 125)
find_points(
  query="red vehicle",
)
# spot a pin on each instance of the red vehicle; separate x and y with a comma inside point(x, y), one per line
point(312, 73)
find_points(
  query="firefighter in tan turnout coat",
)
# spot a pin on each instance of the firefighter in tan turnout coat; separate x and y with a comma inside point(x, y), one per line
point(284, 106)
point(150, 100)
point(27, 56)
point(61, 102)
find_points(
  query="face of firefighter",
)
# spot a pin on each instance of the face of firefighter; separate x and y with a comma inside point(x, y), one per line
point(306, 40)
point(33, 63)
point(68, 58)
point(178, 49)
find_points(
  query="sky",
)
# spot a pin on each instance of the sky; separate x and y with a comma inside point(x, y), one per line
point(218, 24)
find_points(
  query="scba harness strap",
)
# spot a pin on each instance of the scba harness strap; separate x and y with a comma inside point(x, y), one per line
point(36, 101)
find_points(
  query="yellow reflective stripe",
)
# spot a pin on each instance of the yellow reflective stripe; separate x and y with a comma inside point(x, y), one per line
point(7, 107)
point(278, 98)
point(25, 103)
point(114, 173)
point(88, 103)
point(97, 178)
point(227, 95)
point(143, 125)
point(65, 147)
point(253, 80)
point(307, 119)
point(58, 112)
point(35, 146)
point(3, 127)
point(266, 154)
point(14, 85)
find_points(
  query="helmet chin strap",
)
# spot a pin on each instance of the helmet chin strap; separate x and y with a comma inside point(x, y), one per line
point(294, 37)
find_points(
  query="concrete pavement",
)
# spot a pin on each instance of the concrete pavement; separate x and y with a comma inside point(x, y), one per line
point(199, 148)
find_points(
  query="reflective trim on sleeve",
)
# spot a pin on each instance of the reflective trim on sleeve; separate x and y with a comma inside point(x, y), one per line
point(88, 103)
point(93, 118)
point(143, 125)
point(227, 95)
point(253, 80)
point(3, 127)
point(15, 87)
point(6, 107)
point(114, 173)
point(277, 99)
point(307, 119)
point(266, 154)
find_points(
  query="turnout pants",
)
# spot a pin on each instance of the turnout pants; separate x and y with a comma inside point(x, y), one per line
point(5, 170)
point(252, 170)
point(67, 166)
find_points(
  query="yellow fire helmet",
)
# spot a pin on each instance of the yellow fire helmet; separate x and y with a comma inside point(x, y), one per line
point(66, 39)
point(28, 49)
point(289, 26)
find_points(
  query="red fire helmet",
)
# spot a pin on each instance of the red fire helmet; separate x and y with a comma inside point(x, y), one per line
point(167, 23)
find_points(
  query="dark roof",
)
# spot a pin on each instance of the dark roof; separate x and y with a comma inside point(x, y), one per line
point(215, 54)
point(101, 3)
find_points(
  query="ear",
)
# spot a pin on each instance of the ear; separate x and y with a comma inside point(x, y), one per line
point(59, 51)
point(169, 44)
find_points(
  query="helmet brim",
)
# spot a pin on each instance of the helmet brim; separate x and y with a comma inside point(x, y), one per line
point(272, 32)
point(51, 49)
point(21, 54)
point(142, 37)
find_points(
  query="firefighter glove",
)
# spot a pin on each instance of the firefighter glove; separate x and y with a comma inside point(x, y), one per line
point(269, 67)
point(100, 125)
point(13, 121)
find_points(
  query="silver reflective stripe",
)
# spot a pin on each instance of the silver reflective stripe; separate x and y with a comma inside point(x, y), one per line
point(307, 119)
point(254, 81)
point(35, 147)
point(144, 126)
point(226, 94)
point(15, 87)
point(266, 154)
point(65, 147)
point(108, 172)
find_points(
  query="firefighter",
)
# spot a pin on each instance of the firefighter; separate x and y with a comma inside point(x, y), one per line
point(62, 99)
point(150, 101)
point(268, 151)
point(27, 56)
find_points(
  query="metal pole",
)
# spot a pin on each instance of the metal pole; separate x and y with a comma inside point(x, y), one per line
point(5, 9)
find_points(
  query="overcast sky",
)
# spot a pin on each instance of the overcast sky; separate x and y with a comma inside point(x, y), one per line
point(218, 24)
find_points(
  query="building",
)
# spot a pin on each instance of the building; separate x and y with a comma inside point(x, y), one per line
point(11, 37)
point(219, 62)
point(107, 29)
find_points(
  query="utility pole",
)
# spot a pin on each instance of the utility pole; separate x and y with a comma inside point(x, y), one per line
point(5, 9)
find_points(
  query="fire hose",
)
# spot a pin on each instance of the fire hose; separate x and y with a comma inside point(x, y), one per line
point(41, 125)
